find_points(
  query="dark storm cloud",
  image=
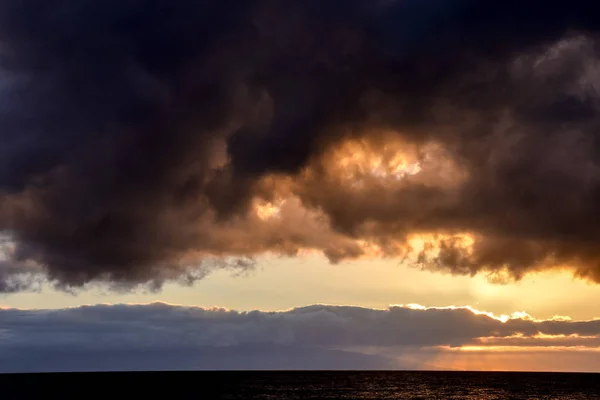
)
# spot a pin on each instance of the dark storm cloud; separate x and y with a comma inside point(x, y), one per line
point(160, 336)
point(135, 134)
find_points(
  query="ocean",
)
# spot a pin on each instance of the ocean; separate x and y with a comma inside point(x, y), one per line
point(302, 385)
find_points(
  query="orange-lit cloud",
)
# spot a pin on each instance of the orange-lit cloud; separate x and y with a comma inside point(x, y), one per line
point(466, 143)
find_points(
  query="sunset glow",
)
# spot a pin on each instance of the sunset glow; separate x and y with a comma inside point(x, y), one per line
point(308, 184)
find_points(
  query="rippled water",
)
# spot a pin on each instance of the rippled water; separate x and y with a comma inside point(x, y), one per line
point(304, 385)
point(415, 385)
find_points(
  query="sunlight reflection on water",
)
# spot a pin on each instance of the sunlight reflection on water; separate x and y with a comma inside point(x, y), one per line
point(414, 385)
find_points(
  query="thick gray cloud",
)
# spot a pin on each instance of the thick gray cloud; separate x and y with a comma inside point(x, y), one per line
point(160, 336)
point(137, 134)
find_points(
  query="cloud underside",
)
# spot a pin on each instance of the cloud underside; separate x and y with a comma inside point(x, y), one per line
point(150, 142)
point(161, 337)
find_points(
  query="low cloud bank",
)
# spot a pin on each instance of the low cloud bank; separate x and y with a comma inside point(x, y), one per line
point(159, 336)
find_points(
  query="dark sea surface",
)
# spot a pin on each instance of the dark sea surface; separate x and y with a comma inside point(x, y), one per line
point(302, 385)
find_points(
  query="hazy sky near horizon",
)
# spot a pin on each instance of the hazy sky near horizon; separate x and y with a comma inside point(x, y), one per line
point(279, 283)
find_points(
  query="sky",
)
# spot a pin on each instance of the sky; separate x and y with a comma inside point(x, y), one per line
point(283, 283)
point(398, 184)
